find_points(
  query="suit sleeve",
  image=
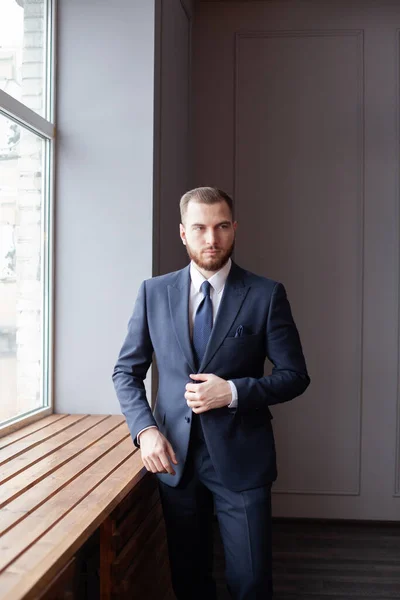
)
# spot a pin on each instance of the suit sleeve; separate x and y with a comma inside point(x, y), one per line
point(131, 368)
point(289, 377)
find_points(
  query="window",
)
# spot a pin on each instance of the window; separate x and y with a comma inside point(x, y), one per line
point(26, 200)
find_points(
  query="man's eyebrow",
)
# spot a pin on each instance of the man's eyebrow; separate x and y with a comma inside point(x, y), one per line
point(217, 225)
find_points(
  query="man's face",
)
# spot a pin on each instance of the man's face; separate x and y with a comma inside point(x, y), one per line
point(208, 233)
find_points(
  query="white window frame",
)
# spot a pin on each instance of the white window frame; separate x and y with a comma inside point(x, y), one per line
point(45, 128)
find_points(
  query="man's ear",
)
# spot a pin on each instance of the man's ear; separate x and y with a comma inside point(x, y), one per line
point(182, 233)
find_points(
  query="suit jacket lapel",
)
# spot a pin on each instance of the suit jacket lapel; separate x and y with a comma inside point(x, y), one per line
point(178, 297)
point(233, 296)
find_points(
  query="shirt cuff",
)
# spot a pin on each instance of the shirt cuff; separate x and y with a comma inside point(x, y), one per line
point(234, 392)
point(141, 431)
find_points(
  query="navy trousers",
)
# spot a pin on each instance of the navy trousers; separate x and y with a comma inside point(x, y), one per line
point(244, 520)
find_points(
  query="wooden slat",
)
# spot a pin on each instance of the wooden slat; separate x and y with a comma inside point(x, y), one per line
point(87, 432)
point(23, 505)
point(148, 579)
point(127, 529)
point(39, 437)
point(34, 568)
point(136, 543)
point(107, 557)
point(64, 579)
point(155, 578)
point(44, 452)
point(6, 440)
point(143, 489)
point(141, 561)
point(28, 531)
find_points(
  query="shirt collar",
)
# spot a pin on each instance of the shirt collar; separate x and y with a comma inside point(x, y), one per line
point(217, 281)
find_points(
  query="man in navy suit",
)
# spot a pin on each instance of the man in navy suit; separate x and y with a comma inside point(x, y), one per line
point(210, 440)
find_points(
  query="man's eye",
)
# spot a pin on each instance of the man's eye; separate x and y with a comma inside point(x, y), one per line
point(224, 226)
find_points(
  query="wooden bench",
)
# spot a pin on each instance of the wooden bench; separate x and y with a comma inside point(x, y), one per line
point(80, 517)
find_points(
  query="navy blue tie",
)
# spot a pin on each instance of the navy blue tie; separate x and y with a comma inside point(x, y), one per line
point(203, 322)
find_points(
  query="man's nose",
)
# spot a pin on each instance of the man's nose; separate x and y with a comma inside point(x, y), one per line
point(210, 237)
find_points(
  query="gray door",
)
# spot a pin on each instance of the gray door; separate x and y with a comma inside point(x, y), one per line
point(295, 112)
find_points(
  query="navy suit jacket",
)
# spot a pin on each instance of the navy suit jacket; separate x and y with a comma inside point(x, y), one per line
point(254, 321)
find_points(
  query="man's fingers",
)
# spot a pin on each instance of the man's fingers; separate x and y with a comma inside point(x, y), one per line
point(150, 461)
point(194, 401)
point(200, 409)
point(200, 376)
point(155, 465)
point(158, 466)
point(194, 396)
point(193, 404)
point(192, 387)
point(157, 460)
point(150, 466)
point(171, 453)
point(166, 464)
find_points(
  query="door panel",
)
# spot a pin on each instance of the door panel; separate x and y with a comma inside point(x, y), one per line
point(295, 110)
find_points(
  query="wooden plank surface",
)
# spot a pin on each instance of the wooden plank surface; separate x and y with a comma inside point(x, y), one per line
point(38, 466)
point(59, 480)
point(47, 450)
point(33, 569)
point(29, 530)
point(6, 440)
point(37, 438)
point(20, 507)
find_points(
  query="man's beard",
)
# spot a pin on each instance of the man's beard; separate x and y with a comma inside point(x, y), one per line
point(210, 263)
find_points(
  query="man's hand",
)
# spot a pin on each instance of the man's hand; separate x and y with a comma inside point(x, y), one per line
point(157, 452)
point(213, 392)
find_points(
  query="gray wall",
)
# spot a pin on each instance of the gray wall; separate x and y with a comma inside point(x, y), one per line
point(305, 134)
point(104, 190)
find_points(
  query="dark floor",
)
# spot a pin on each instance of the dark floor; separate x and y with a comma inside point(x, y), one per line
point(330, 561)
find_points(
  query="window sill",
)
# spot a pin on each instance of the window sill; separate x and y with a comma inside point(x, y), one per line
point(24, 420)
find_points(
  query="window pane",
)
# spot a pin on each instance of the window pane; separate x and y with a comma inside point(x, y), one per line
point(22, 51)
point(22, 254)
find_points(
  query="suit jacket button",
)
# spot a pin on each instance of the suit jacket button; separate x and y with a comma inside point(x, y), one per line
point(187, 419)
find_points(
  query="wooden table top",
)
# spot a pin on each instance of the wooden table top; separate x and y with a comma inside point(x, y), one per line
point(59, 478)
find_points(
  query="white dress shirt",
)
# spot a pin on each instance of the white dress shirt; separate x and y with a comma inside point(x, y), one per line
point(217, 282)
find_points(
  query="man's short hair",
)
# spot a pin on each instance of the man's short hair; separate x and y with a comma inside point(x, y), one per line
point(204, 195)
